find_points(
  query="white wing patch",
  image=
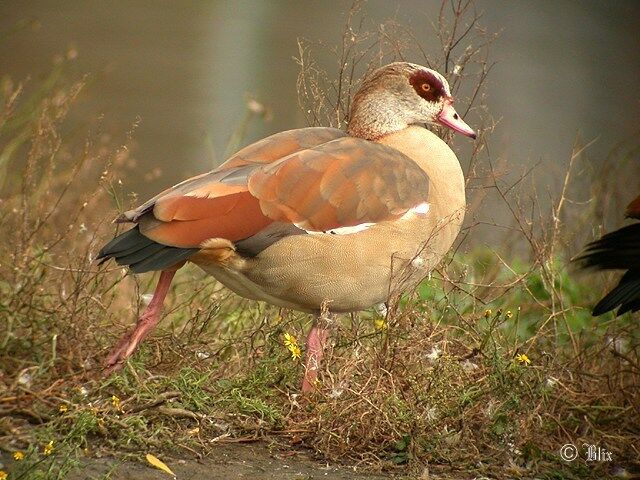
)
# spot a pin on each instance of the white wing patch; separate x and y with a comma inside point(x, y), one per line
point(419, 210)
point(348, 230)
point(340, 230)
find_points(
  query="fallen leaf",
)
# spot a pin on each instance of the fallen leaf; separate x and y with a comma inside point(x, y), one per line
point(159, 464)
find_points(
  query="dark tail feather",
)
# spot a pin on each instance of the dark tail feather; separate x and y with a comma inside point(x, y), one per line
point(625, 295)
point(125, 243)
point(142, 254)
point(618, 250)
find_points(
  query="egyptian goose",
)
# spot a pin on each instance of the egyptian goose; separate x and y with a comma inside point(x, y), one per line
point(315, 218)
point(618, 250)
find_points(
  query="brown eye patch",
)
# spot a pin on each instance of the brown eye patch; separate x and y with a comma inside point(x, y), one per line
point(427, 85)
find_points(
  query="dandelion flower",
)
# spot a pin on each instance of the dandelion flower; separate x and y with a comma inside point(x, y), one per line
point(3, 475)
point(487, 313)
point(48, 448)
point(63, 408)
point(523, 359)
point(18, 456)
point(380, 324)
point(509, 314)
point(295, 352)
point(292, 345)
point(289, 340)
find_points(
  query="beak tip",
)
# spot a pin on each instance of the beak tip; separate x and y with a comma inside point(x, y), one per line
point(450, 119)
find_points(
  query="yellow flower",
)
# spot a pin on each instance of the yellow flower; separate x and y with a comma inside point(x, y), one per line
point(48, 448)
point(18, 456)
point(3, 475)
point(295, 352)
point(380, 324)
point(509, 314)
point(523, 359)
point(289, 340)
point(115, 401)
point(63, 408)
point(487, 313)
point(292, 345)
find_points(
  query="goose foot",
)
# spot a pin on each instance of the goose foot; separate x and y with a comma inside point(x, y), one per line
point(316, 341)
point(315, 345)
point(147, 322)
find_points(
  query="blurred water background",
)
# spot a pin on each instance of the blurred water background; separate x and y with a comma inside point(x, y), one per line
point(182, 69)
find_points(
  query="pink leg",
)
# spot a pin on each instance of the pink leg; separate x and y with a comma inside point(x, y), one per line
point(147, 321)
point(316, 341)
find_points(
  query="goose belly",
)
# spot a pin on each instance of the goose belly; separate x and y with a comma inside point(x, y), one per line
point(346, 272)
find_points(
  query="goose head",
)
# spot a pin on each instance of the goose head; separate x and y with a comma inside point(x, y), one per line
point(402, 94)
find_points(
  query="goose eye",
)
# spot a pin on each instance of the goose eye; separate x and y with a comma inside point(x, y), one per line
point(425, 87)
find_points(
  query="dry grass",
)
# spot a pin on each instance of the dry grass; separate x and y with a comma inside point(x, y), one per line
point(437, 388)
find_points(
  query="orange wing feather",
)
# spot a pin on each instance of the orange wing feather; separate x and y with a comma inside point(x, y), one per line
point(341, 183)
point(232, 217)
point(280, 145)
point(215, 204)
point(316, 178)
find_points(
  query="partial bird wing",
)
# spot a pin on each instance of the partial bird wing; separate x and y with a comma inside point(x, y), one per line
point(309, 180)
point(342, 182)
point(625, 295)
point(618, 250)
point(261, 152)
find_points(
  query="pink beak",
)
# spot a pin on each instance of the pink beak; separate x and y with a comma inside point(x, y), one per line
point(450, 118)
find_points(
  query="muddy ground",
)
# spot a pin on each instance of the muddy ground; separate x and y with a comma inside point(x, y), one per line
point(231, 461)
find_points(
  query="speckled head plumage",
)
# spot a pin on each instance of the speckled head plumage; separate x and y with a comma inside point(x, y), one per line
point(402, 94)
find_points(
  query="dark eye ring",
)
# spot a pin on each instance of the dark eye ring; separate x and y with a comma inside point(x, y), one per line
point(425, 87)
